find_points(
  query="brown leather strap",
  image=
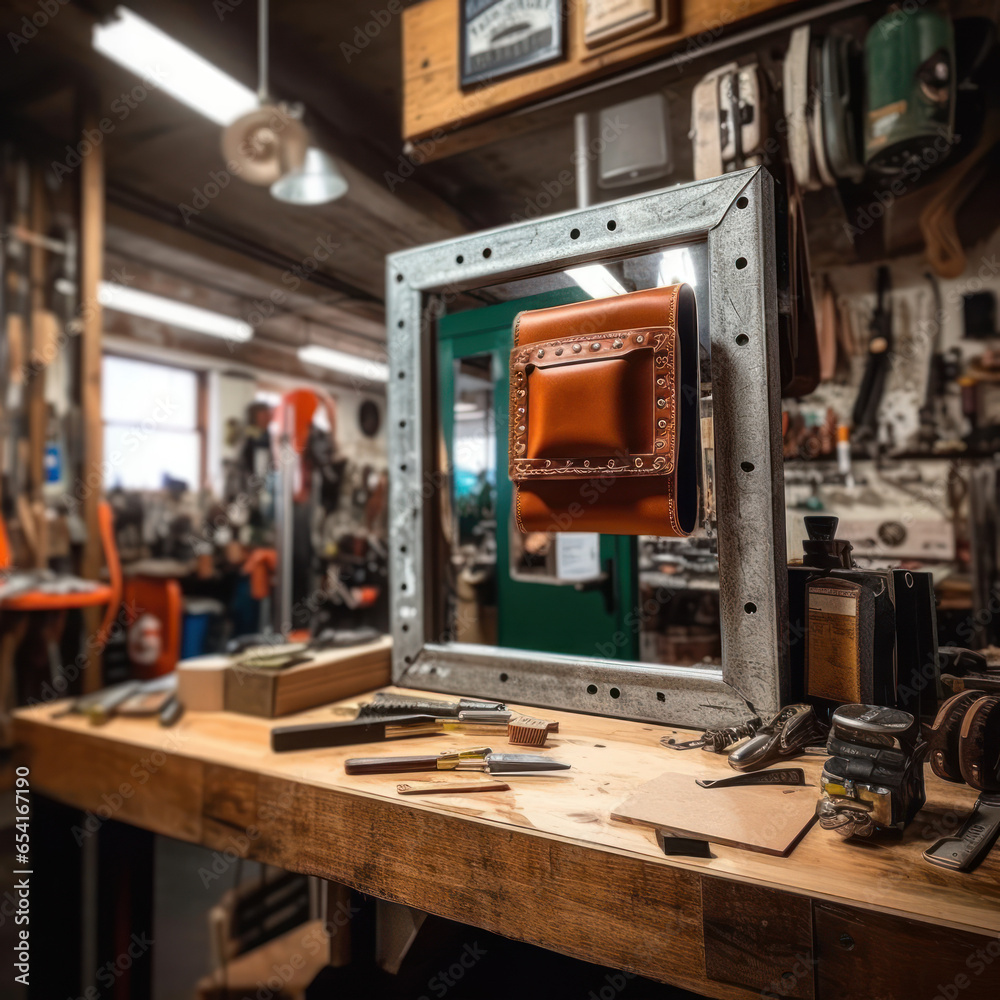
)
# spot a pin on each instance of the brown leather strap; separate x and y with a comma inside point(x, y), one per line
point(390, 765)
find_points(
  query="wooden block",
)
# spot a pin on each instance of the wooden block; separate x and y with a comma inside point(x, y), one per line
point(758, 938)
point(201, 683)
point(771, 819)
point(864, 954)
point(332, 674)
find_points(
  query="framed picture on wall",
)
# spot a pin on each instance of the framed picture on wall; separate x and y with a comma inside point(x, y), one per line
point(499, 38)
point(607, 19)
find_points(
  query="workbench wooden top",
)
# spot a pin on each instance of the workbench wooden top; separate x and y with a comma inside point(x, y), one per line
point(168, 792)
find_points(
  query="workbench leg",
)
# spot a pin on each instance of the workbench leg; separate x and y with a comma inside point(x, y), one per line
point(125, 860)
point(56, 900)
point(336, 911)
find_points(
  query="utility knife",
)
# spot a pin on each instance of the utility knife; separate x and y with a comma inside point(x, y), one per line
point(478, 759)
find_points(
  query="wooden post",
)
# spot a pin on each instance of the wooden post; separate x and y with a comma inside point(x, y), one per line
point(39, 345)
point(90, 483)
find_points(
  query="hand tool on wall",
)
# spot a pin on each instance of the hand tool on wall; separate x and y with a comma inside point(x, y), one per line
point(478, 759)
point(928, 433)
point(826, 332)
point(880, 346)
point(937, 221)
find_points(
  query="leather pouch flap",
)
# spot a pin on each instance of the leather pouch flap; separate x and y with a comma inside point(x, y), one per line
point(594, 404)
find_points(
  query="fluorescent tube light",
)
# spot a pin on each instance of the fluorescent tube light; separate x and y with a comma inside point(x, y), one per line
point(341, 361)
point(596, 280)
point(130, 300)
point(677, 266)
point(150, 53)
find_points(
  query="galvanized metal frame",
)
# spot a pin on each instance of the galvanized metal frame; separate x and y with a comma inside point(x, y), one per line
point(734, 214)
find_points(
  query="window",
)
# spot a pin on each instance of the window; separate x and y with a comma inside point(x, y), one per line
point(151, 429)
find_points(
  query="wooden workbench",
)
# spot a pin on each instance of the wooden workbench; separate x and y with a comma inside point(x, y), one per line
point(544, 863)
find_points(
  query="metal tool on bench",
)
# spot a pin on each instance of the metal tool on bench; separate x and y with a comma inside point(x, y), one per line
point(775, 776)
point(130, 698)
point(477, 759)
point(967, 670)
point(717, 740)
point(752, 745)
point(101, 705)
point(964, 745)
point(386, 704)
point(314, 735)
point(790, 733)
point(874, 778)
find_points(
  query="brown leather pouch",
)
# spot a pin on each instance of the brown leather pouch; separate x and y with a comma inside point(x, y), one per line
point(604, 415)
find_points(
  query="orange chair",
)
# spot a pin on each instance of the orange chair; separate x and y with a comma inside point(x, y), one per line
point(18, 609)
point(4, 547)
point(109, 594)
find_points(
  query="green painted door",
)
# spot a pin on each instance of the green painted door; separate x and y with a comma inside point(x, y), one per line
point(593, 619)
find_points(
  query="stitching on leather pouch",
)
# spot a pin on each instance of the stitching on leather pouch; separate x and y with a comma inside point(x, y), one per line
point(670, 328)
point(655, 463)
